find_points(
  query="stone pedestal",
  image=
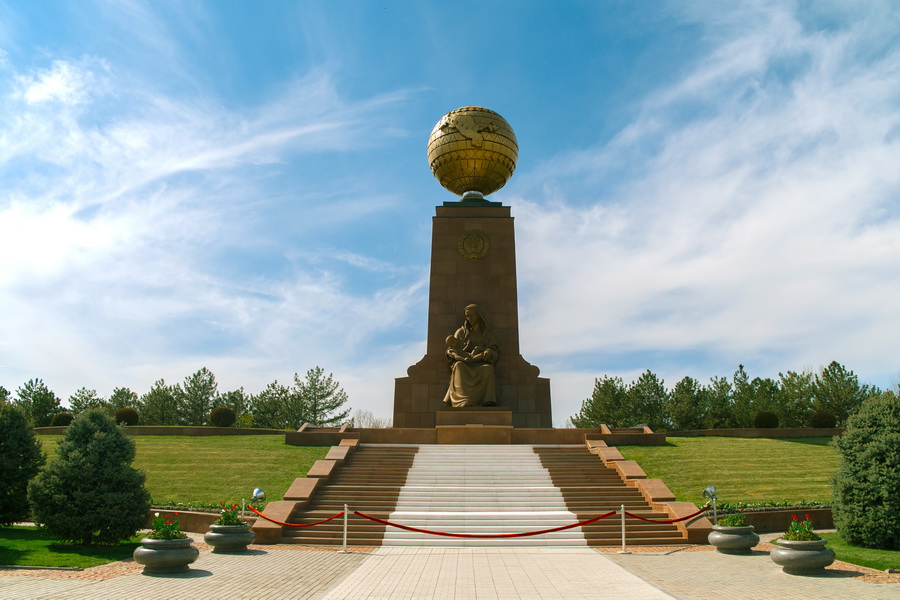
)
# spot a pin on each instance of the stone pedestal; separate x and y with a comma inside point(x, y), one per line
point(473, 261)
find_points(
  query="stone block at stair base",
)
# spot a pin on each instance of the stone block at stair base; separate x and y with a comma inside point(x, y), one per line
point(607, 454)
point(695, 530)
point(268, 532)
point(322, 468)
point(482, 415)
point(352, 443)
point(473, 434)
point(653, 490)
point(628, 469)
point(338, 453)
point(302, 489)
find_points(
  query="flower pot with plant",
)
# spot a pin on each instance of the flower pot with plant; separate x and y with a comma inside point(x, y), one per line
point(801, 551)
point(166, 549)
point(733, 535)
point(229, 533)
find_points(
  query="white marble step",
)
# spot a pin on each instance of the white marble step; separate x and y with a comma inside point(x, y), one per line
point(480, 490)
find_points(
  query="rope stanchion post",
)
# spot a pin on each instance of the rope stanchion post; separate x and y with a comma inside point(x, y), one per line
point(344, 548)
point(623, 550)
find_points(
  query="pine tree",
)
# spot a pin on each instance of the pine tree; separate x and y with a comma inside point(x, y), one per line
point(38, 402)
point(838, 392)
point(21, 457)
point(687, 408)
point(607, 405)
point(123, 397)
point(85, 399)
point(160, 405)
point(197, 397)
point(90, 493)
point(321, 397)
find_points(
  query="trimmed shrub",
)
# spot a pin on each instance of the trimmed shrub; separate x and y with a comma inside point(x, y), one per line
point(765, 420)
point(222, 416)
point(867, 486)
point(823, 420)
point(21, 458)
point(61, 420)
point(127, 416)
point(90, 494)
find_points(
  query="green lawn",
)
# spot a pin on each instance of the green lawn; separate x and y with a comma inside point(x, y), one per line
point(743, 470)
point(875, 559)
point(212, 469)
point(27, 546)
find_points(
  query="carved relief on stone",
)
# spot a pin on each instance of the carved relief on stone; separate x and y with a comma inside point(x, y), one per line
point(473, 245)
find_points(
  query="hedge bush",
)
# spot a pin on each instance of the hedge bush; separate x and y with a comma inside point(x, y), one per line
point(61, 420)
point(90, 494)
point(21, 458)
point(127, 416)
point(867, 485)
point(222, 416)
point(823, 420)
point(765, 420)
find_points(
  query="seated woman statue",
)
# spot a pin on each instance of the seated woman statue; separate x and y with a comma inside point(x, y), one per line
point(473, 352)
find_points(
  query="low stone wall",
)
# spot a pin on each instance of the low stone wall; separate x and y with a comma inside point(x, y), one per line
point(195, 522)
point(175, 430)
point(777, 432)
point(773, 521)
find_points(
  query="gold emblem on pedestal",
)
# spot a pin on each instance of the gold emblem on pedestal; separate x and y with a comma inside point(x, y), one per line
point(472, 149)
point(473, 245)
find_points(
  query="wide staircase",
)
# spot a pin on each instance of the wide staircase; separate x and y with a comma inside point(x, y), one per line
point(474, 489)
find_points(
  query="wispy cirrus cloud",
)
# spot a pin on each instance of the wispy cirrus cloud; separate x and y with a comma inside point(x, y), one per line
point(758, 221)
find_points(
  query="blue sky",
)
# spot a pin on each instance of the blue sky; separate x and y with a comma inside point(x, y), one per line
point(243, 186)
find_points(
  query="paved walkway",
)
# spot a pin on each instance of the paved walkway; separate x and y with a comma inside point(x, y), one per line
point(470, 573)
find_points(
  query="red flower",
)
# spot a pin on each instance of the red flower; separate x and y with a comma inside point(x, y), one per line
point(807, 517)
point(794, 517)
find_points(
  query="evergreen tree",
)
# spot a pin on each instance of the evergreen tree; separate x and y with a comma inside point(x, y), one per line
point(687, 408)
point(4, 395)
point(270, 406)
point(838, 392)
point(741, 399)
point(321, 398)
point(38, 402)
point(647, 399)
point(85, 399)
point(237, 400)
point(21, 458)
point(123, 397)
point(607, 405)
point(717, 396)
point(867, 485)
point(90, 493)
point(765, 397)
point(160, 405)
point(198, 397)
point(796, 392)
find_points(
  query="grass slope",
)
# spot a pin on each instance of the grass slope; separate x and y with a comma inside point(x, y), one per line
point(743, 470)
point(213, 469)
point(27, 546)
point(867, 557)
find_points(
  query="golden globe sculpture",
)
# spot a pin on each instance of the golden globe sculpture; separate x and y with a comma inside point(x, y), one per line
point(472, 152)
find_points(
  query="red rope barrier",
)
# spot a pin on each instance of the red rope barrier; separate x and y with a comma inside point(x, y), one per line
point(702, 510)
point(340, 514)
point(484, 535)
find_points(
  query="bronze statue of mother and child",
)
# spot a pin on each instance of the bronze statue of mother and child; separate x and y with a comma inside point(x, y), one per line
point(473, 351)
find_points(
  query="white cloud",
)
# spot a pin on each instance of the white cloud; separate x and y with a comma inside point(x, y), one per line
point(762, 226)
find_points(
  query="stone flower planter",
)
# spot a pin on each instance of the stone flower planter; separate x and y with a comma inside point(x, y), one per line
point(163, 557)
point(229, 538)
point(802, 558)
point(733, 540)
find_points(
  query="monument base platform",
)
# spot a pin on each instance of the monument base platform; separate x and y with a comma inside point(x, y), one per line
point(476, 415)
point(468, 433)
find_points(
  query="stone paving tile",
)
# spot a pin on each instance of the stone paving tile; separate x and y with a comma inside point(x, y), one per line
point(491, 574)
point(282, 574)
point(714, 576)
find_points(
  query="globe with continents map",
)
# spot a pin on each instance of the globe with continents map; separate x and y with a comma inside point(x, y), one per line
point(472, 152)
